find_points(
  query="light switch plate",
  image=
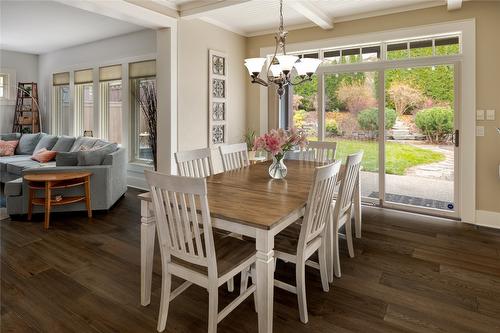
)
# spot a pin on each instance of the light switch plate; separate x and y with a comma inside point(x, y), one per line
point(490, 114)
point(479, 130)
point(479, 114)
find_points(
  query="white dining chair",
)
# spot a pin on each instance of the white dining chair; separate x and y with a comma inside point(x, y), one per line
point(319, 151)
point(189, 249)
point(195, 163)
point(299, 242)
point(234, 156)
point(342, 212)
point(198, 163)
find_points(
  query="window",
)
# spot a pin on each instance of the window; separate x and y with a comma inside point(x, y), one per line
point(4, 86)
point(60, 102)
point(84, 102)
point(110, 109)
point(142, 77)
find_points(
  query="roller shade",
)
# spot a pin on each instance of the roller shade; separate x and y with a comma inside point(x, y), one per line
point(142, 69)
point(60, 79)
point(110, 73)
point(83, 76)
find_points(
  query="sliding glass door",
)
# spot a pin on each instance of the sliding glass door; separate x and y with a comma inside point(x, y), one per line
point(411, 162)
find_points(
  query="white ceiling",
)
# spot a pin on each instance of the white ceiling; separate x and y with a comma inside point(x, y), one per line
point(256, 17)
point(44, 26)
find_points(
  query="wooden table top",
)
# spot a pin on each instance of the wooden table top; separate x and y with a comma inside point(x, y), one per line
point(51, 177)
point(249, 196)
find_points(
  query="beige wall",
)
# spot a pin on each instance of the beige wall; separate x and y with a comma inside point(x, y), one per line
point(487, 15)
point(195, 39)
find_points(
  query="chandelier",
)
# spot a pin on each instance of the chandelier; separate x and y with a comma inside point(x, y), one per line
point(279, 70)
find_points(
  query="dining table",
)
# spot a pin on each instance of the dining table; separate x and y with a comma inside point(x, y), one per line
point(248, 202)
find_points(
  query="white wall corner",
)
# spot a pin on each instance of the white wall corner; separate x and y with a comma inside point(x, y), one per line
point(488, 218)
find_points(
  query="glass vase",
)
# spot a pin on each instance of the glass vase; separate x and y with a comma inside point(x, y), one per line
point(278, 169)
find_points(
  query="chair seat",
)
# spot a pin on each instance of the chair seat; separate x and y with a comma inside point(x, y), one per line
point(230, 252)
point(288, 239)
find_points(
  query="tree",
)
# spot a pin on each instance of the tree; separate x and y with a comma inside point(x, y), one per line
point(405, 97)
point(356, 96)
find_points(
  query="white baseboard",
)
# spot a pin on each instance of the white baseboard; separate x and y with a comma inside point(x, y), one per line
point(488, 218)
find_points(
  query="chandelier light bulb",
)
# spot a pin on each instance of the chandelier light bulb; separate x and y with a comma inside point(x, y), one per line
point(307, 66)
point(254, 65)
point(275, 70)
point(287, 62)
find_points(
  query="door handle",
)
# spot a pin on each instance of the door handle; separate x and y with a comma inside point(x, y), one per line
point(456, 138)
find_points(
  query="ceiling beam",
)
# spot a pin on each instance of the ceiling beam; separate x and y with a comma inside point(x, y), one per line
point(454, 4)
point(201, 8)
point(124, 11)
point(311, 12)
point(224, 26)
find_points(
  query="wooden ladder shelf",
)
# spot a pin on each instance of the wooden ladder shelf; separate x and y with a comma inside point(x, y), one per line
point(27, 113)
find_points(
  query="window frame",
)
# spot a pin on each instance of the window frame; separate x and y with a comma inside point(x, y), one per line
point(135, 112)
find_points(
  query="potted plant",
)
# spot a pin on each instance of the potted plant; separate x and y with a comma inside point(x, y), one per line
point(249, 138)
point(278, 142)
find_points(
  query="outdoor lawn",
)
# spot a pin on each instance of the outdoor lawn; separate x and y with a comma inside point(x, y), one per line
point(399, 156)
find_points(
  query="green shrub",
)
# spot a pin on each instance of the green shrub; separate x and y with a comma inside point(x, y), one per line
point(368, 119)
point(435, 123)
point(299, 118)
point(332, 127)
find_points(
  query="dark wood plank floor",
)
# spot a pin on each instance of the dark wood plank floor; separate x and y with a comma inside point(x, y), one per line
point(410, 274)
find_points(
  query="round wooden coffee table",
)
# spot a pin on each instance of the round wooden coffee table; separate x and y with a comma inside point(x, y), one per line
point(51, 181)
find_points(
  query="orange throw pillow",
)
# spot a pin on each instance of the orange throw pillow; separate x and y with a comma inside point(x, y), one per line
point(43, 155)
point(7, 148)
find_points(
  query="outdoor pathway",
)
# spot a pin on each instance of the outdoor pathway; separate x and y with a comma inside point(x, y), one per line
point(443, 170)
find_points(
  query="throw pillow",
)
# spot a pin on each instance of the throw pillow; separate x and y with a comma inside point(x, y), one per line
point(96, 156)
point(7, 148)
point(27, 144)
point(67, 158)
point(46, 141)
point(43, 155)
point(64, 143)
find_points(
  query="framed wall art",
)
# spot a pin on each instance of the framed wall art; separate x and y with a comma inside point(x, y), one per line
point(217, 98)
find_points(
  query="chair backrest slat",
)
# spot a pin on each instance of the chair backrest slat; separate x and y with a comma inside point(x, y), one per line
point(194, 163)
point(318, 203)
point(319, 151)
point(234, 156)
point(177, 203)
point(346, 191)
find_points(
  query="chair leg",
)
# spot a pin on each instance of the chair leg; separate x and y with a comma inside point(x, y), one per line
point(329, 248)
point(348, 236)
point(253, 274)
point(336, 255)
point(213, 307)
point(166, 283)
point(230, 285)
point(300, 271)
point(323, 267)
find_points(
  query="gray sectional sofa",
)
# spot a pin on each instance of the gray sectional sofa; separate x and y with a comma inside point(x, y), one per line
point(106, 161)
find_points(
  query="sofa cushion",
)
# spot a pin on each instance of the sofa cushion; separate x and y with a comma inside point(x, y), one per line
point(46, 141)
point(67, 158)
point(4, 161)
point(95, 156)
point(10, 136)
point(83, 141)
point(7, 148)
point(14, 187)
point(17, 167)
point(64, 143)
point(27, 143)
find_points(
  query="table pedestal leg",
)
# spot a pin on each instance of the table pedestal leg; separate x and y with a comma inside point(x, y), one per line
point(148, 228)
point(357, 208)
point(87, 196)
point(30, 205)
point(48, 196)
point(265, 279)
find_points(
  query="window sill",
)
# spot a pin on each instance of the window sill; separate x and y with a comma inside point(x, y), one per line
point(139, 166)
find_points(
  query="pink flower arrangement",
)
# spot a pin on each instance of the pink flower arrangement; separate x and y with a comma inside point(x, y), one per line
point(279, 141)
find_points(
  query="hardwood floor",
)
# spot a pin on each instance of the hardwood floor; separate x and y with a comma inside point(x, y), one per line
point(410, 274)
